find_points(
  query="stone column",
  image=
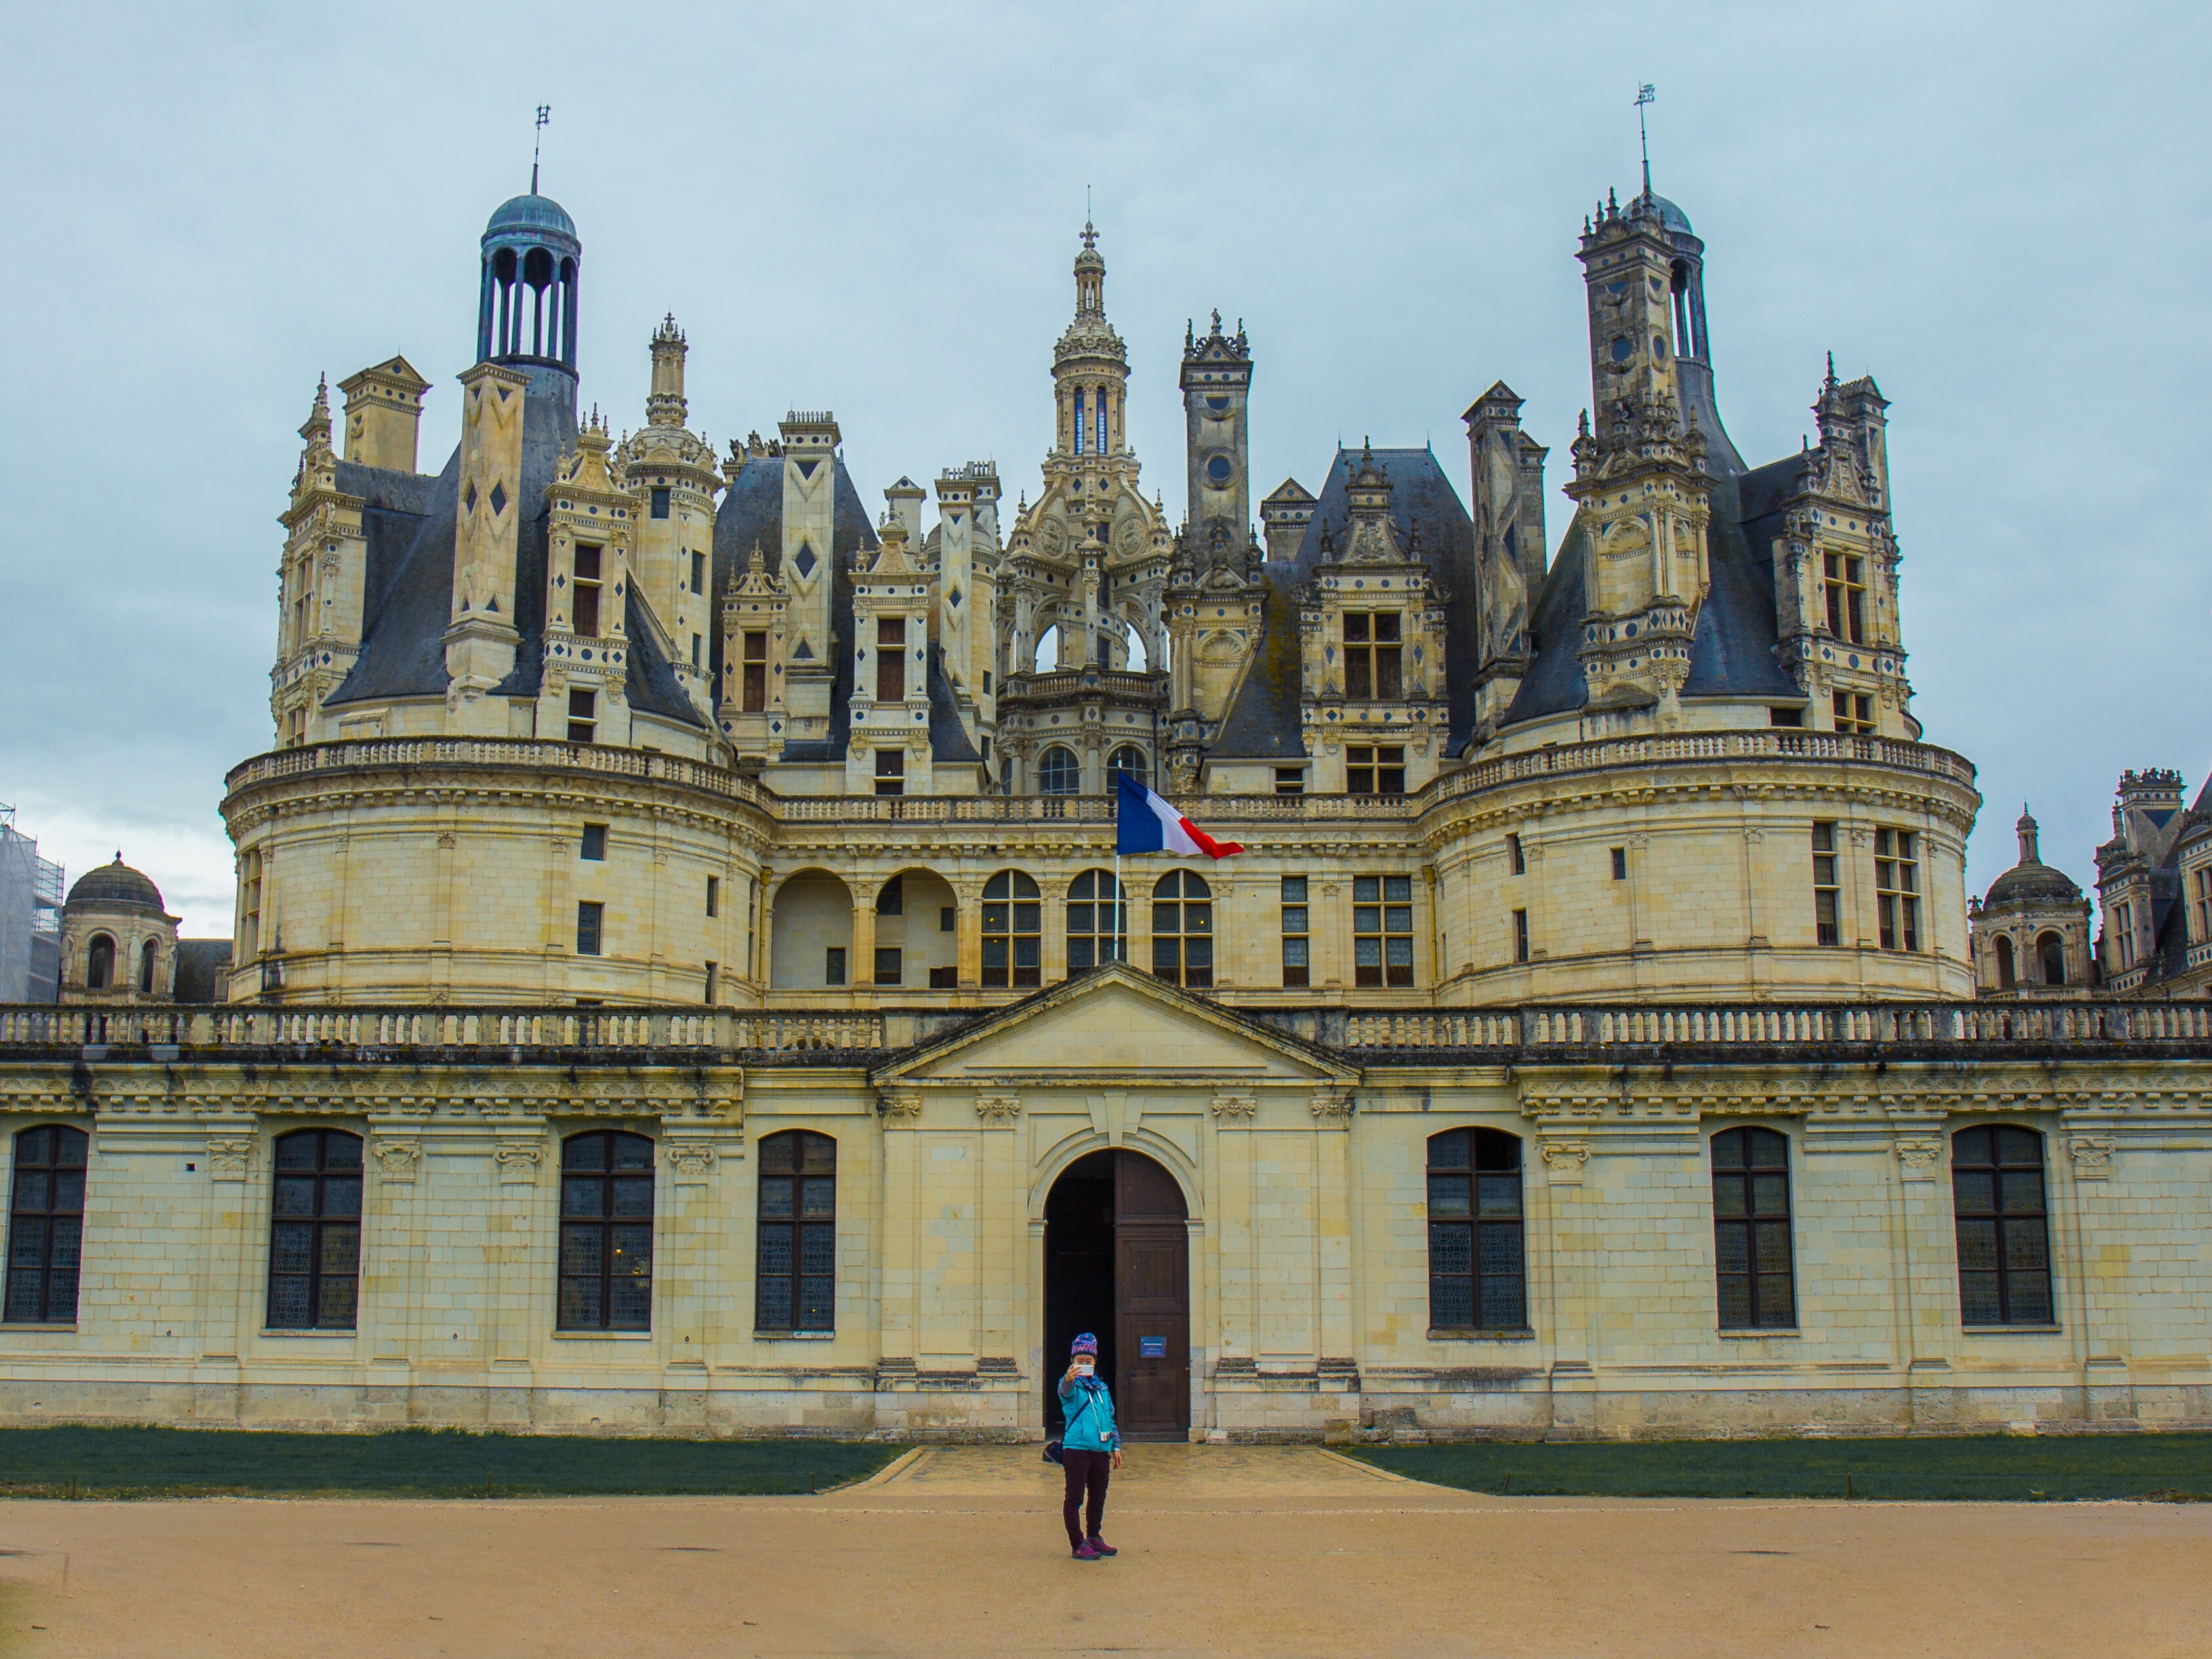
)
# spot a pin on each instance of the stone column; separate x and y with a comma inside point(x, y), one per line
point(1926, 1253)
point(901, 1116)
point(1565, 1152)
point(860, 967)
point(226, 1294)
point(520, 1151)
point(967, 936)
point(1336, 1368)
point(392, 1264)
point(2091, 1271)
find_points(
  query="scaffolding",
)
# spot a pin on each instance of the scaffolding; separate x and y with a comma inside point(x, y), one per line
point(30, 918)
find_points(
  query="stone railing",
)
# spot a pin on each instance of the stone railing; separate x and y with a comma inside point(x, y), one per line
point(1609, 1029)
point(645, 765)
point(1059, 683)
point(1775, 744)
point(374, 1033)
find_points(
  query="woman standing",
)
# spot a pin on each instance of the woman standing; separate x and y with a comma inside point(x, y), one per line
point(1089, 1446)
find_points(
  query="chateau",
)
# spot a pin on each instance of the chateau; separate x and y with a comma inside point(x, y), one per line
point(682, 978)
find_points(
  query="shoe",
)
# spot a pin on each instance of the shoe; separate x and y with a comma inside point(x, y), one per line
point(1086, 1551)
point(1102, 1546)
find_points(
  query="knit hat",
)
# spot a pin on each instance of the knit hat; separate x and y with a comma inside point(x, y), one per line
point(1085, 1343)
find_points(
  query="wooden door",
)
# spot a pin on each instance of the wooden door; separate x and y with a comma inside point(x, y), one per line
point(1152, 1302)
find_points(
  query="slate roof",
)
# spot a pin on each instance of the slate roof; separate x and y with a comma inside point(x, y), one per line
point(408, 520)
point(1263, 722)
point(116, 883)
point(1735, 651)
point(202, 966)
point(751, 511)
point(2169, 913)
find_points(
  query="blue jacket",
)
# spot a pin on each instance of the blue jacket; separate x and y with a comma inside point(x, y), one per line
point(1087, 1408)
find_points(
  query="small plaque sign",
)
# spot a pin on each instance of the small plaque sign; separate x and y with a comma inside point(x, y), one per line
point(1151, 1347)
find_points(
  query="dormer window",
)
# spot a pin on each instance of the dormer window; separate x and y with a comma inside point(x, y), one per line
point(890, 659)
point(1846, 595)
point(1371, 648)
point(584, 596)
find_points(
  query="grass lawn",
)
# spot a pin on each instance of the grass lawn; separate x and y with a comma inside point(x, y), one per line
point(2006, 1468)
point(124, 1462)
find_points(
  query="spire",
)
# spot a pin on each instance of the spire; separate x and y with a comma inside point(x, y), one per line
point(2030, 850)
point(317, 431)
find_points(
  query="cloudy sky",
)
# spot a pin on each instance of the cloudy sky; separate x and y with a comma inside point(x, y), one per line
point(1999, 210)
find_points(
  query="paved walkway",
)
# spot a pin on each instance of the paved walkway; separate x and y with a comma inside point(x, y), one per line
point(1287, 1552)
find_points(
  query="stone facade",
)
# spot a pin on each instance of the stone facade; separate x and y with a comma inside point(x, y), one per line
point(679, 966)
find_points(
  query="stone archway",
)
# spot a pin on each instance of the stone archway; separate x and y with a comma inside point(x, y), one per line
point(1117, 1263)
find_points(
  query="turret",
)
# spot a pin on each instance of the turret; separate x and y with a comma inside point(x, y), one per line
point(526, 304)
point(1507, 503)
point(810, 443)
point(1217, 381)
point(670, 473)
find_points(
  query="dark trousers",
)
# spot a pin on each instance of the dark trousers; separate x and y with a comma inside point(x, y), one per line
point(1085, 1469)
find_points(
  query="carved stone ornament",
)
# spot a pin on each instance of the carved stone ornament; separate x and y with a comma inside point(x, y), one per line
point(1333, 1103)
point(997, 1109)
point(2092, 1156)
point(1564, 1161)
point(229, 1155)
point(1246, 1107)
point(899, 1106)
point(519, 1160)
point(1917, 1157)
point(396, 1160)
point(688, 1157)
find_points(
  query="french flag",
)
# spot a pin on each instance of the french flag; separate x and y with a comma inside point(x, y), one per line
point(1143, 823)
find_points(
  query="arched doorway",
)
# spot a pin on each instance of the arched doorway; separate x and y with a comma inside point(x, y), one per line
point(1117, 1263)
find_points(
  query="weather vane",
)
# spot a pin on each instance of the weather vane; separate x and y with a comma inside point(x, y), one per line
point(545, 114)
point(1644, 95)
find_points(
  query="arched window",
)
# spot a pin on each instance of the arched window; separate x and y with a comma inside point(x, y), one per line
point(100, 963)
point(1097, 925)
point(1751, 1230)
point(1183, 930)
point(2051, 950)
point(1130, 759)
point(1079, 424)
point(146, 968)
point(795, 1277)
point(2006, 977)
point(1059, 773)
point(1013, 952)
point(2004, 1242)
point(1476, 1278)
point(315, 1232)
point(606, 1232)
point(45, 1225)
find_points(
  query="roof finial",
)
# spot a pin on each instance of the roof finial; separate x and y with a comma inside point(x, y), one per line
point(1830, 386)
point(1644, 95)
point(1090, 236)
point(544, 114)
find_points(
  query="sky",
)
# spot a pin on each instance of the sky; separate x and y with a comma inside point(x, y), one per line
point(1999, 210)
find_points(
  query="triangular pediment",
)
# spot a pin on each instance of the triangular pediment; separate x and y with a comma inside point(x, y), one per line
point(1115, 1023)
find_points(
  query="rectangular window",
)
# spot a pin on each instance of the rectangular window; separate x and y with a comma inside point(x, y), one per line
point(1290, 780)
point(1785, 717)
point(45, 1225)
point(948, 919)
point(315, 1232)
point(583, 707)
point(696, 662)
point(698, 572)
point(1845, 582)
point(660, 503)
point(1897, 888)
point(755, 680)
point(2123, 928)
point(594, 845)
point(1476, 1280)
point(795, 1269)
point(890, 964)
point(1516, 859)
point(1297, 928)
point(1751, 1230)
point(713, 973)
point(2204, 904)
point(713, 896)
point(584, 596)
point(1382, 930)
point(1520, 936)
point(1621, 864)
point(833, 965)
point(2004, 1239)
point(1827, 892)
point(1371, 648)
point(589, 913)
point(606, 1233)
point(890, 659)
point(891, 771)
point(1374, 771)
point(1854, 714)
